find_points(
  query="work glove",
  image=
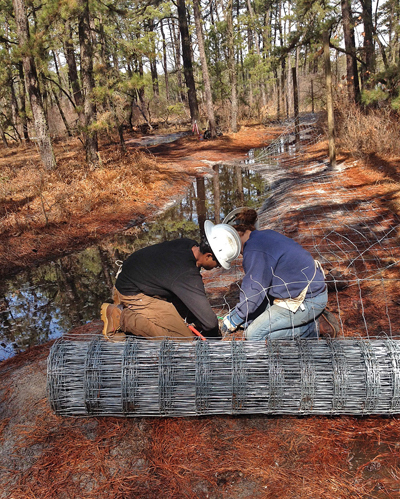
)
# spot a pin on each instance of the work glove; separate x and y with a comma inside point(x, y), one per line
point(231, 322)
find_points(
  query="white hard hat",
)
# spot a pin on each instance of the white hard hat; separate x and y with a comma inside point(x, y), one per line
point(231, 217)
point(224, 242)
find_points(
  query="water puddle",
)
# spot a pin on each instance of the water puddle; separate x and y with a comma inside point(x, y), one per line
point(155, 140)
point(44, 302)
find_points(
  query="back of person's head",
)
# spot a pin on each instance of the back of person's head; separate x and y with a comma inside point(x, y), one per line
point(205, 247)
point(244, 220)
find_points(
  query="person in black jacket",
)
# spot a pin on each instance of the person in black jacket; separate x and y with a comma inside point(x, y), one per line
point(159, 290)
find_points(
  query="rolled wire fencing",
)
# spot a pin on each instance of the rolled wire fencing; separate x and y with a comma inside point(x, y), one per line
point(168, 378)
point(356, 240)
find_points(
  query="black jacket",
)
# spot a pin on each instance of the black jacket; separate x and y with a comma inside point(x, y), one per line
point(169, 270)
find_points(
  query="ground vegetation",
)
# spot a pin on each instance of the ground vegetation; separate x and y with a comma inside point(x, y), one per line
point(95, 69)
point(43, 455)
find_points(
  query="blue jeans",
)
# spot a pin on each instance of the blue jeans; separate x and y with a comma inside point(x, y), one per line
point(279, 323)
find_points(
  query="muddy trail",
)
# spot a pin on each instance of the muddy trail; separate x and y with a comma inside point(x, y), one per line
point(45, 215)
point(65, 289)
point(348, 218)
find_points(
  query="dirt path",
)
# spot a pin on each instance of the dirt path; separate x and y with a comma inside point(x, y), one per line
point(31, 234)
point(216, 457)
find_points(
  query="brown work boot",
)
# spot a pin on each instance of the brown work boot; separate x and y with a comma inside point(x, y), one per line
point(110, 315)
point(329, 324)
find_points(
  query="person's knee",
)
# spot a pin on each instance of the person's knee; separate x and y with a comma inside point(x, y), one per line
point(255, 335)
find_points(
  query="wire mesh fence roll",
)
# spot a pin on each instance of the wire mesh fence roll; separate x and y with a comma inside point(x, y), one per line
point(167, 378)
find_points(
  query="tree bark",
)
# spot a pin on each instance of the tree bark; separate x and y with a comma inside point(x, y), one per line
point(22, 103)
point(201, 203)
point(204, 67)
point(14, 103)
point(277, 93)
point(296, 106)
point(350, 46)
point(369, 49)
point(177, 58)
point(89, 107)
point(217, 194)
point(283, 101)
point(153, 62)
point(187, 61)
point(232, 66)
point(140, 92)
point(32, 86)
point(329, 102)
point(165, 65)
point(72, 68)
point(3, 137)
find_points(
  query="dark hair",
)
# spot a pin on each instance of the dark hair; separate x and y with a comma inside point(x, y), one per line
point(206, 248)
point(245, 220)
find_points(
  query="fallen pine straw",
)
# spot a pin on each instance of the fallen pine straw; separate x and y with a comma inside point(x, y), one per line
point(196, 457)
point(48, 457)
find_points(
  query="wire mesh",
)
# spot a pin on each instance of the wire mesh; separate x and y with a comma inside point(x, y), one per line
point(168, 378)
point(354, 236)
point(344, 221)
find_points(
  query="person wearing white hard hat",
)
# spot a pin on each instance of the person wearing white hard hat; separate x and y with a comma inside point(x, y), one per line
point(224, 242)
point(283, 291)
point(159, 291)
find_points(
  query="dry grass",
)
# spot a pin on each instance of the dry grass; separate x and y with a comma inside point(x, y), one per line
point(32, 197)
point(363, 134)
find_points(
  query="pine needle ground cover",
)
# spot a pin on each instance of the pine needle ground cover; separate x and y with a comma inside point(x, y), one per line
point(222, 457)
point(46, 456)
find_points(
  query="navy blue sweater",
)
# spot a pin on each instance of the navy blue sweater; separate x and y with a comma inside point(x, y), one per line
point(275, 267)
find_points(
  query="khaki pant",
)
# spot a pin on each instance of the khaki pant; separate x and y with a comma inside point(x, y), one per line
point(150, 317)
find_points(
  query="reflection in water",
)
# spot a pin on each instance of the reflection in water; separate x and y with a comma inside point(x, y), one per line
point(44, 302)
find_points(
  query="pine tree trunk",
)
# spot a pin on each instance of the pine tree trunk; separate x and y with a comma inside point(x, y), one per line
point(69, 53)
point(351, 60)
point(296, 107)
point(3, 137)
point(153, 62)
point(204, 67)
point(22, 103)
point(369, 49)
point(18, 108)
point(283, 102)
point(89, 107)
point(140, 91)
point(14, 104)
point(32, 87)
point(232, 66)
point(329, 102)
point(187, 60)
point(177, 58)
point(165, 65)
point(217, 194)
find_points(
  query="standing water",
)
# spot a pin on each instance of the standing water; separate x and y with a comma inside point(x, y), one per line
point(44, 302)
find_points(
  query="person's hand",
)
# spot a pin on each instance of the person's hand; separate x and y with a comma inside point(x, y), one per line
point(231, 322)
